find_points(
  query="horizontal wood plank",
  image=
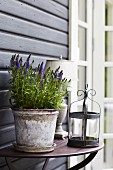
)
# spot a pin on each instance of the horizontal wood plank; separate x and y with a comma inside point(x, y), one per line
point(61, 167)
point(4, 95)
point(2, 162)
point(22, 164)
point(51, 7)
point(7, 134)
point(63, 2)
point(30, 45)
point(19, 26)
point(4, 80)
point(37, 163)
point(52, 163)
point(32, 14)
point(5, 57)
point(6, 117)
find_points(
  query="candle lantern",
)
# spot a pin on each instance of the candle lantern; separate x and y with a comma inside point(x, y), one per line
point(84, 126)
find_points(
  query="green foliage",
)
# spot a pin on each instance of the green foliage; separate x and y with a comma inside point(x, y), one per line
point(36, 89)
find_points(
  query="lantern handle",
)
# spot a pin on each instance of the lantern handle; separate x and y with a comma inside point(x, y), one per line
point(85, 96)
point(93, 94)
point(78, 95)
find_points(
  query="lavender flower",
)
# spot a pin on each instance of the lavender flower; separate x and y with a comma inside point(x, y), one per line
point(60, 75)
point(27, 61)
point(35, 88)
point(25, 71)
point(20, 61)
point(41, 69)
point(17, 62)
point(12, 61)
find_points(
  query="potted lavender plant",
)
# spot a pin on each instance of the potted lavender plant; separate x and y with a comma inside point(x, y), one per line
point(36, 96)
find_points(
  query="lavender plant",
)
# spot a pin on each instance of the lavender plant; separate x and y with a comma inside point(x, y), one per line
point(36, 88)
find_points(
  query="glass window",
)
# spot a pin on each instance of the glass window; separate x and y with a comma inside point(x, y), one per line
point(108, 153)
point(108, 118)
point(109, 46)
point(109, 12)
point(82, 77)
point(109, 82)
point(82, 39)
point(82, 10)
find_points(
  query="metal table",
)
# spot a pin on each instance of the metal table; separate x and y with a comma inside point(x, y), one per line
point(61, 150)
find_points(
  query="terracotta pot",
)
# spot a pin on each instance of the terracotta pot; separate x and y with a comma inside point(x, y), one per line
point(35, 129)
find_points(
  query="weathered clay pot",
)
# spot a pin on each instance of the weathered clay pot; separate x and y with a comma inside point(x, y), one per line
point(35, 129)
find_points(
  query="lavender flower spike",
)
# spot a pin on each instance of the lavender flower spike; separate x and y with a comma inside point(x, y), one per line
point(41, 69)
point(20, 61)
point(12, 61)
point(17, 62)
point(25, 71)
point(60, 75)
point(27, 61)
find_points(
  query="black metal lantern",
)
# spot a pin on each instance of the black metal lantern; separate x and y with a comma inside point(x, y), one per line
point(86, 130)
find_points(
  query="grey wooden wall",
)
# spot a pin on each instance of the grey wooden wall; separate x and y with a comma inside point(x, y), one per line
point(39, 27)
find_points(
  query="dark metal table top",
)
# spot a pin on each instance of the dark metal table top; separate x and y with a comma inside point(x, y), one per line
point(60, 150)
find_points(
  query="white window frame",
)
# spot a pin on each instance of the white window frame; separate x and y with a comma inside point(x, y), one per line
point(109, 64)
point(98, 68)
point(74, 51)
point(97, 64)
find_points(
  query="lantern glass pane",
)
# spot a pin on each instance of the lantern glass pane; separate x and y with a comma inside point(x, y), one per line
point(86, 129)
point(92, 128)
point(77, 128)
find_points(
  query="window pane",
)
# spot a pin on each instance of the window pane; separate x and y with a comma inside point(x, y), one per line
point(109, 12)
point(82, 43)
point(109, 46)
point(108, 154)
point(82, 10)
point(109, 82)
point(81, 78)
point(108, 118)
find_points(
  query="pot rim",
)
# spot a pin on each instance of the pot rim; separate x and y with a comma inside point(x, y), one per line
point(35, 111)
point(16, 109)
